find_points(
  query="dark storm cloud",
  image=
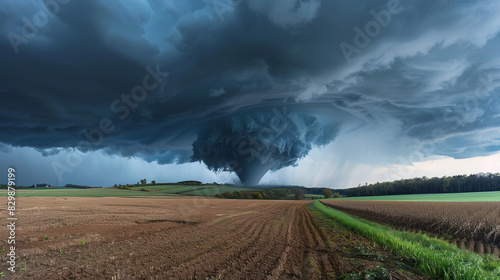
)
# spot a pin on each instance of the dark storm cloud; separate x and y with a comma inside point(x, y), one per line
point(431, 70)
point(253, 144)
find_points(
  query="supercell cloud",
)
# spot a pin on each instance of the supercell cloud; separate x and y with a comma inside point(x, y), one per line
point(181, 81)
point(252, 144)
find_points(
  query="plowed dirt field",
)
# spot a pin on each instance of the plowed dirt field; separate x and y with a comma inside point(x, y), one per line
point(474, 226)
point(185, 238)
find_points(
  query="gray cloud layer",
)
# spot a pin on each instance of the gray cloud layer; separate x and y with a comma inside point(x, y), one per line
point(432, 71)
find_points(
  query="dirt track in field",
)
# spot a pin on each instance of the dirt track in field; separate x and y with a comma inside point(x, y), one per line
point(194, 238)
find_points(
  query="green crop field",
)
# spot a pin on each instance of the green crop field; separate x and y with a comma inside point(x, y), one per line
point(203, 190)
point(469, 196)
point(70, 192)
point(156, 190)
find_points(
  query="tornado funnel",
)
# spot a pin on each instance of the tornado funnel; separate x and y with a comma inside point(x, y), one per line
point(250, 145)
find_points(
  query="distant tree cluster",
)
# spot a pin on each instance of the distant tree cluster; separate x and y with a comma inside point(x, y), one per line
point(319, 191)
point(188, 183)
point(257, 194)
point(327, 193)
point(144, 182)
point(275, 193)
point(460, 183)
point(299, 196)
point(79, 186)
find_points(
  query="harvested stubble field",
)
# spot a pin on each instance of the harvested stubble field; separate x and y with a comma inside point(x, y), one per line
point(474, 226)
point(195, 238)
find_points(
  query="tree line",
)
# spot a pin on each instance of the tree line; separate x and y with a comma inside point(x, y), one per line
point(447, 184)
point(257, 194)
point(278, 193)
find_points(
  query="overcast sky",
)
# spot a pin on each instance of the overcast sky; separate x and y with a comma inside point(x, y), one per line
point(105, 92)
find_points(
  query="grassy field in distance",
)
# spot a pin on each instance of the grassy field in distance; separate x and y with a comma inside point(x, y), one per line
point(70, 192)
point(153, 190)
point(203, 190)
point(211, 190)
point(468, 196)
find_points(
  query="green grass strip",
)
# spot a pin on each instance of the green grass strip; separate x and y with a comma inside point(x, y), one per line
point(434, 257)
